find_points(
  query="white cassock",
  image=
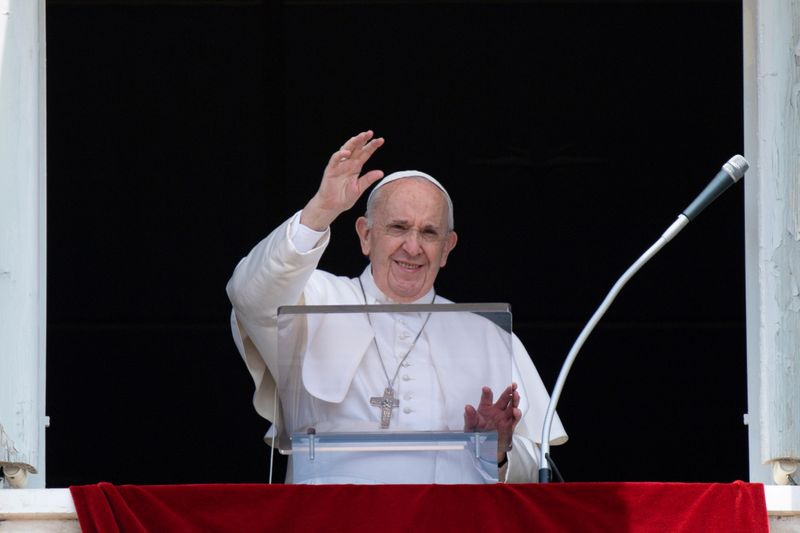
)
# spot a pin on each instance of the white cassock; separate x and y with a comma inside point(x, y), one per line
point(331, 389)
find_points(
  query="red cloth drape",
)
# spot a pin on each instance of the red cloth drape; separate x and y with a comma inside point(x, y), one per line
point(556, 507)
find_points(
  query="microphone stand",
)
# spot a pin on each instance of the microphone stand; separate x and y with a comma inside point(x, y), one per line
point(731, 172)
point(545, 474)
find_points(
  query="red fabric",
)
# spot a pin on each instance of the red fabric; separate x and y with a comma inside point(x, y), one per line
point(556, 507)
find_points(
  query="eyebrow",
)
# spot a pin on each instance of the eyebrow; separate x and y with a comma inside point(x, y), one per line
point(404, 222)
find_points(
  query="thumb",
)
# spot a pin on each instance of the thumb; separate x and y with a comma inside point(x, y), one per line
point(366, 181)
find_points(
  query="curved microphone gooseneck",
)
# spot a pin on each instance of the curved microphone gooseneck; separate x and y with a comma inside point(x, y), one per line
point(730, 173)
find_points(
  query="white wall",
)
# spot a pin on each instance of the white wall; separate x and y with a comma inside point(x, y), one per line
point(22, 233)
point(772, 230)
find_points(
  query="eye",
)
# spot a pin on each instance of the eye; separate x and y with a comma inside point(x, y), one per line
point(430, 234)
point(396, 229)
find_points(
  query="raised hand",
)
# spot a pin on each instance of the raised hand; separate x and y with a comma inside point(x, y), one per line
point(342, 183)
point(501, 416)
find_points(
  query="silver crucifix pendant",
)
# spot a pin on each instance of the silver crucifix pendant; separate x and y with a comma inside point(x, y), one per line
point(387, 402)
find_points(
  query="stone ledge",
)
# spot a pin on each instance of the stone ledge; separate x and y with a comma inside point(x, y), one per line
point(782, 500)
point(57, 504)
point(36, 504)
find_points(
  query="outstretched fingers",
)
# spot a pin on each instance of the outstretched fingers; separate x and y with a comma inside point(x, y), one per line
point(339, 156)
point(508, 398)
point(348, 160)
point(357, 140)
point(358, 148)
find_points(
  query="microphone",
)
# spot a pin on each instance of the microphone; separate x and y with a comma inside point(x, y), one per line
point(731, 172)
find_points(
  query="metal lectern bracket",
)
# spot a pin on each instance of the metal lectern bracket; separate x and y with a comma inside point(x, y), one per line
point(312, 436)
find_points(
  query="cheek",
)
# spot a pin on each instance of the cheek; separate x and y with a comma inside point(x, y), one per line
point(387, 248)
point(438, 256)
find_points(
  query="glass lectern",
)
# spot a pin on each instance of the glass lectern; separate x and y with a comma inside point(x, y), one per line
point(376, 394)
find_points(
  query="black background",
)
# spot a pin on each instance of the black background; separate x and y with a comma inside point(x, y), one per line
point(569, 134)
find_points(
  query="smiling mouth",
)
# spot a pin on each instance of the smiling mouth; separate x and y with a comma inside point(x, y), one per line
point(408, 266)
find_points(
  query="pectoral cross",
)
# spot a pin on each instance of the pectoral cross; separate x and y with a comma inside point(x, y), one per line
point(387, 402)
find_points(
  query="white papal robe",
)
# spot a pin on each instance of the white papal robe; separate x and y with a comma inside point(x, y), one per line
point(331, 390)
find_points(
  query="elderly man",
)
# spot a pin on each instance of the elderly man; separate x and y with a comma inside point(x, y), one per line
point(407, 234)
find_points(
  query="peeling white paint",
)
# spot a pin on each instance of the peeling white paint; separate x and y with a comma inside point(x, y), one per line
point(8, 452)
point(772, 230)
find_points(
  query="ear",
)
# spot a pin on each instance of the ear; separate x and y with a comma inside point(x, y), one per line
point(363, 229)
point(449, 244)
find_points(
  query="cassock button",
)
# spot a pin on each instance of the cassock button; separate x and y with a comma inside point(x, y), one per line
point(406, 377)
point(407, 410)
point(408, 396)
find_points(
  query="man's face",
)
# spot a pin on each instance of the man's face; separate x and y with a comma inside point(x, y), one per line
point(409, 241)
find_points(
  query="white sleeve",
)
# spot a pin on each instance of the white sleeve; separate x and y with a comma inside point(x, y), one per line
point(523, 464)
point(304, 239)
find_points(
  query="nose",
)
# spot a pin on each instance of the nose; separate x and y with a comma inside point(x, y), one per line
point(411, 242)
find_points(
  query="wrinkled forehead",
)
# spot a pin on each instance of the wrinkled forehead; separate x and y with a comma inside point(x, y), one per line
point(434, 191)
point(414, 201)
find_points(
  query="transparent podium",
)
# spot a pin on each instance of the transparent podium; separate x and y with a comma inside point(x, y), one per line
point(377, 394)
